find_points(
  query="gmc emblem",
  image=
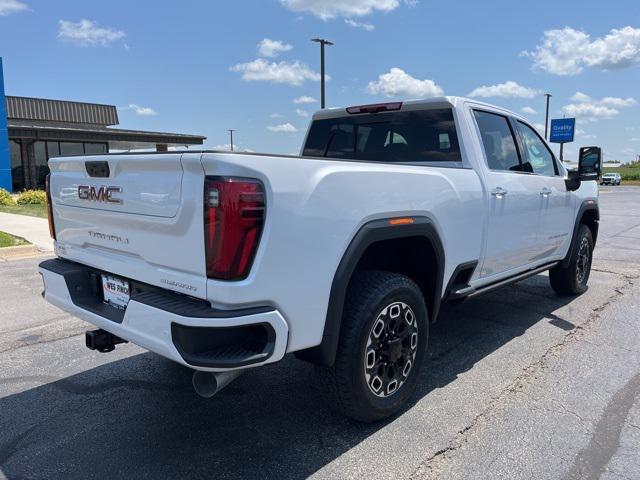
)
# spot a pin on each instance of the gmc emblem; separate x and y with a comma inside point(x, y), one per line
point(99, 194)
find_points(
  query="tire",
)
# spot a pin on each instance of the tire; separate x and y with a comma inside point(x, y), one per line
point(572, 279)
point(365, 362)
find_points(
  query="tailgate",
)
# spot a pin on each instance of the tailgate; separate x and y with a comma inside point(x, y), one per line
point(137, 216)
point(139, 184)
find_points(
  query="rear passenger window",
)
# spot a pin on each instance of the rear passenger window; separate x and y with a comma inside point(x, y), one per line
point(538, 155)
point(409, 137)
point(498, 141)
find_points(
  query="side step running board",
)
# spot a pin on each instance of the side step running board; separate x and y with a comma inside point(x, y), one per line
point(469, 291)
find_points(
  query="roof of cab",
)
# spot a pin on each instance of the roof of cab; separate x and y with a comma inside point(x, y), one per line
point(433, 102)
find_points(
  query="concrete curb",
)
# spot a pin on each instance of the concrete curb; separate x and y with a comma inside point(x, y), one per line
point(21, 251)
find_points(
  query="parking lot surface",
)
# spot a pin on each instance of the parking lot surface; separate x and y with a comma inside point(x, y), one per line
point(520, 383)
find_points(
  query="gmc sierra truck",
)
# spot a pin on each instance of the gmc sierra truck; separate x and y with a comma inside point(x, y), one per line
point(344, 254)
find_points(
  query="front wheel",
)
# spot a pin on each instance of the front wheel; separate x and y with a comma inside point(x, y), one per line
point(572, 279)
point(382, 345)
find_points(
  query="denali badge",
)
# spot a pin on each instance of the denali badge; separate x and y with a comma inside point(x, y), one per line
point(99, 194)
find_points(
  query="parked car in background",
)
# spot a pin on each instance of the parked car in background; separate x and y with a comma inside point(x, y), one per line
point(611, 179)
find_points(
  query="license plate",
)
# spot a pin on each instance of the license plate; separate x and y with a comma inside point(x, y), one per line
point(115, 291)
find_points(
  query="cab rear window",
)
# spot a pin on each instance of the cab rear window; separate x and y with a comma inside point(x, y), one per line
point(400, 137)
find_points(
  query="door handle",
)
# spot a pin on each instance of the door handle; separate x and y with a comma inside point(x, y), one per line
point(545, 192)
point(498, 192)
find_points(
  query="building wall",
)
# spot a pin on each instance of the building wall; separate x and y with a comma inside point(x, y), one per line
point(5, 162)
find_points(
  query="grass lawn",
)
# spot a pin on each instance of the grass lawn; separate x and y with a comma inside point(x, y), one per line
point(7, 240)
point(31, 210)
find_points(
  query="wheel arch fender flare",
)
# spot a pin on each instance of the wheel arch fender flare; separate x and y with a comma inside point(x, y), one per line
point(586, 206)
point(370, 233)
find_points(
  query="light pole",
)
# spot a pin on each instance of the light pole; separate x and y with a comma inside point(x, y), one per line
point(546, 117)
point(322, 43)
point(231, 134)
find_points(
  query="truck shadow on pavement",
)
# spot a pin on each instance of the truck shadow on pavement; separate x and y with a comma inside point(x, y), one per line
point(138, 417)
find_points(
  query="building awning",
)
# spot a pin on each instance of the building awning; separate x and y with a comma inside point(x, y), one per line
point(62, 131)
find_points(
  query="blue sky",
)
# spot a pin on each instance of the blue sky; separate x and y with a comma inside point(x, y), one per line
point(204, 66)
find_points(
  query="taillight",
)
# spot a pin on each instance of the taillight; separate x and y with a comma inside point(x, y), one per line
point(52, 228)
point(234, 210)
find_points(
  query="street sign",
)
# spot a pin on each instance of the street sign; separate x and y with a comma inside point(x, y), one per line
point(562, 130)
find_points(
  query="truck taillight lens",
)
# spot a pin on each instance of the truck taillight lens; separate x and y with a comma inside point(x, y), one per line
point(52, 228)
point(234, 211)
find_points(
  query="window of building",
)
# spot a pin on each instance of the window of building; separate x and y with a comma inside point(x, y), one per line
point(410, 137)
point(95, 148)
point(41, 168)
point(17, 171)
point(498, 141)
point(71, 148)
point(53, 149)
point(539, 158)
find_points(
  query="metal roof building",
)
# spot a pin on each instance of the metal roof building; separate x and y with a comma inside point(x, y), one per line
point(38, 129)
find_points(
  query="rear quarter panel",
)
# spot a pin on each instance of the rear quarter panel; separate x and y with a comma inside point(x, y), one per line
point(315, 208)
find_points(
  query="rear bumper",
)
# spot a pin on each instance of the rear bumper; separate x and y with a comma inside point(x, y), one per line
point(175, 326)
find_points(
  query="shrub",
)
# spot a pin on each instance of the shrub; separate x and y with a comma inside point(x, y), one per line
point(6, 198)
point(32, 197)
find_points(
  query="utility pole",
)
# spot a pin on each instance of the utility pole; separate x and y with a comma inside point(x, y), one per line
point(322, 43)
point(231, 134)
point(546, 117)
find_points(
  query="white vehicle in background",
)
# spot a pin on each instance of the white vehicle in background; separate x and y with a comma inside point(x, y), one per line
point(342, 255)
point(611, 179)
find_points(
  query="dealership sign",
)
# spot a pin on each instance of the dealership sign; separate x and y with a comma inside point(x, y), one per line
point(5, 161)
point(562, 130)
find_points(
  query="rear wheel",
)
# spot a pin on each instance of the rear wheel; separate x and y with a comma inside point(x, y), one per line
point(383, 341)
point(572, 279)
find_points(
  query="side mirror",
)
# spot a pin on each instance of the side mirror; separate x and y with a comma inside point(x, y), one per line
point(572, 182)
point(590, 163)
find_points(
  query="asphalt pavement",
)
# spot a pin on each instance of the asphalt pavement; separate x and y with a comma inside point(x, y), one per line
point(520, 383)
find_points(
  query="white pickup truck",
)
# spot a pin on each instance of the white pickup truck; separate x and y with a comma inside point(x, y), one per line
point(224, 261)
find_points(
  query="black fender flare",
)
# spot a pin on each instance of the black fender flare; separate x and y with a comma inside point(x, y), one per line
point(587, 205)
point(370, 233)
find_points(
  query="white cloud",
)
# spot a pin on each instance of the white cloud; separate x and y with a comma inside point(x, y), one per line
point(584, 135)
point(618, 102)
point(568, 51)
point(272, 48)
point(305, 99)
point(282, 128)
point(144, 111)
point(87, 33)
point(399, 83)
point(365, 26)
point(7, 7)
point(302, 113)
point(291, 73)
point(275, 115)
point(580, 97)
point(634, 139)
point(508, 89)
point(591, 111)
point(528, 111)
point(329, 9)
point(539, 127)
point(588, 108)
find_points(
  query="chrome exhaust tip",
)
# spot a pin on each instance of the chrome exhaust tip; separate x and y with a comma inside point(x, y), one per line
point(207, 384)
